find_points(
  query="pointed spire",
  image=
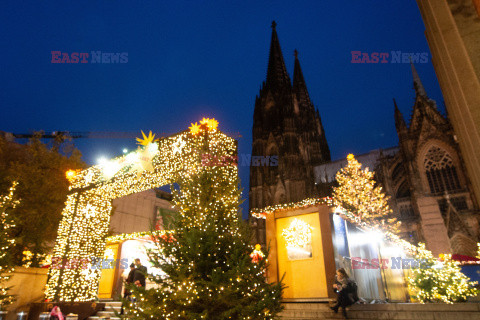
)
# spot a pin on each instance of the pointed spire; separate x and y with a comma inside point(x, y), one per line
point(299, 85)
point(277, 75)
point(417, 83)
point(399, 120)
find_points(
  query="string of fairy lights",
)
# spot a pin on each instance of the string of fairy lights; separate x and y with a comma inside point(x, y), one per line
point(6, 202)
point(298, 234)
point(86, 216)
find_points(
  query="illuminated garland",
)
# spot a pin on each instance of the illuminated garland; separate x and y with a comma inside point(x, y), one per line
point(135, 236)
point(378, 227)
point(6, 268)
point(262, 213)
point(86, 216)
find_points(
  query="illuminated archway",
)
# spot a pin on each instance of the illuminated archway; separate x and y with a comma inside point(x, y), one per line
point(86, 216)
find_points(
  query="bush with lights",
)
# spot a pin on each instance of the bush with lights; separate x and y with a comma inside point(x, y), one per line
point(439, 280)
point(6, 242)
point(210, 269)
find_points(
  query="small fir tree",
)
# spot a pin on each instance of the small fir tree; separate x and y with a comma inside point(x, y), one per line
point(359, 195)
point(209, 273)
point(439, 281)
point(6, 242)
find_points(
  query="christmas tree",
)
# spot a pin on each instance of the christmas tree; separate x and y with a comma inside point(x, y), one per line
point(359, 195)
point(209, 273)
point(6, 242)
point(434, 280)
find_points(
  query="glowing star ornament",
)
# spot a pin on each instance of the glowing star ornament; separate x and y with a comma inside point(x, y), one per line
point(146, 139)
point(178, 146)
point(211, 124)
point(194, 129)
point(89, 211)
point(70, 175)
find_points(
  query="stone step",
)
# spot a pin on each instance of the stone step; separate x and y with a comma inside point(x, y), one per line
point(105, 314)
point(113, 303)
point(397, 311)
point(307, 306)
point(113, 308)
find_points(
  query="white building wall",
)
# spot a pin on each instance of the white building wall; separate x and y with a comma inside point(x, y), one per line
point(136, 212)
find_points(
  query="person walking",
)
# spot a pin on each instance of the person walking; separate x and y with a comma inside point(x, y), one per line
point(139, 275)
point(346, 290)
point(128, 281)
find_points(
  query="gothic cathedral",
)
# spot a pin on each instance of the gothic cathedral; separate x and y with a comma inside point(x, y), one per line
point(285, 124)
point(425, 175)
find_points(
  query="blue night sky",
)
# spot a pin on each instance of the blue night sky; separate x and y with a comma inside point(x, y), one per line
point(190, 59)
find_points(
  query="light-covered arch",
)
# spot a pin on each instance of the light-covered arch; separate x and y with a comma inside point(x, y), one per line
point(86, 216)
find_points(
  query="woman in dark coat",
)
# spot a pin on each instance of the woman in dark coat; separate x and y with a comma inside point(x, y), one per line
point(346, 290)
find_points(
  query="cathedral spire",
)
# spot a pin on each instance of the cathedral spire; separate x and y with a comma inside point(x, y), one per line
point(277, 76)
point(299, 85)
point(417, 83)
point(399, 120)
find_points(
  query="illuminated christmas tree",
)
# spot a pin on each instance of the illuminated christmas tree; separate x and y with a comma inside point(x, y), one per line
point(209, 271)
point(359, 195)
point(434, 280)
point(6, 242)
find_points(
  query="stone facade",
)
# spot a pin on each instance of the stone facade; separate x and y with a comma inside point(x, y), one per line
point(452, 31)
point(425, 177)
point(286, 125)
point(427, 180)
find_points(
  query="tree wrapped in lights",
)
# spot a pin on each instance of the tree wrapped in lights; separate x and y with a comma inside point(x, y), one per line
point(209, 271)
point(358, 194)
point(432, 280)
point(6, 242)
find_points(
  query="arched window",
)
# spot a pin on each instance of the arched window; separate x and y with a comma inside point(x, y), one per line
point(403, 191)
point(441, 172)
point(397, 172)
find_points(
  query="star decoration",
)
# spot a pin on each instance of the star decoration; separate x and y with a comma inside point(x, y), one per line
point(89, 177)
point(146, 139)
point(195, 128)
point(178, 146)
point(89, 211)
point(211, 124)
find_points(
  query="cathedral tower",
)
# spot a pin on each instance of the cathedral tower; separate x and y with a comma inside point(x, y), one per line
point(288, 129)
